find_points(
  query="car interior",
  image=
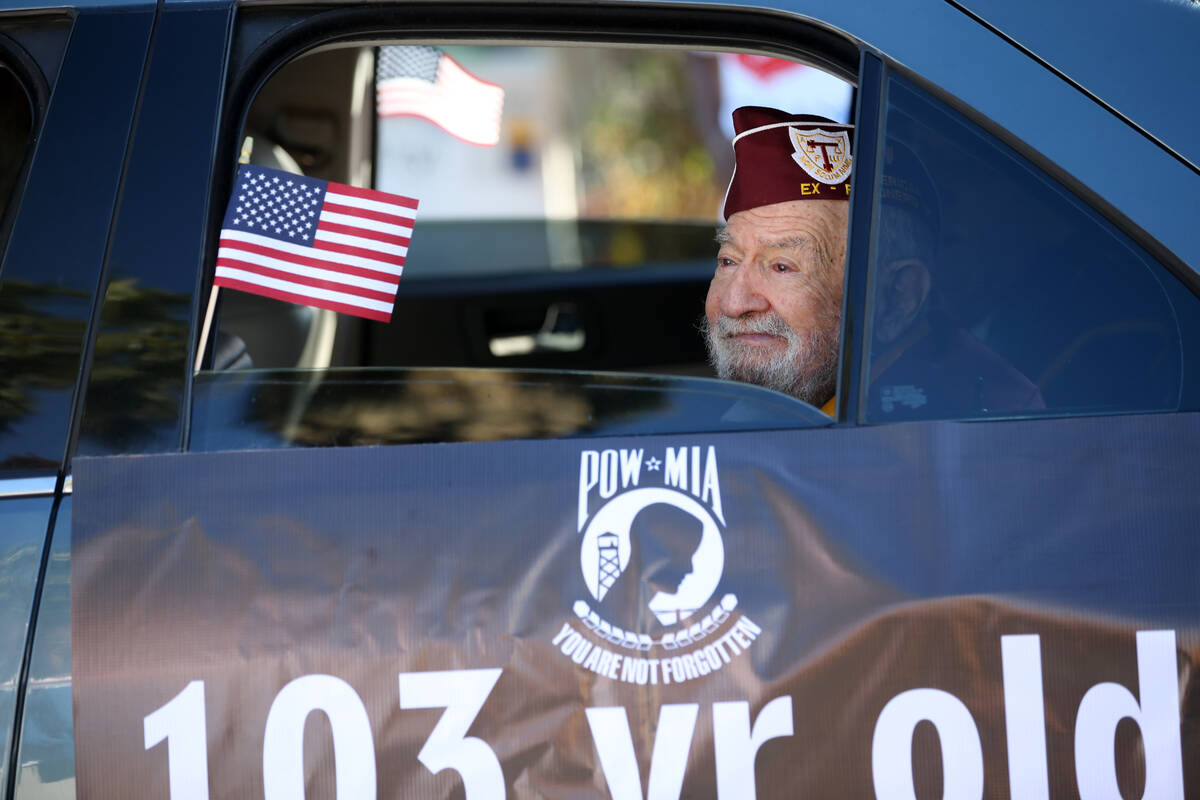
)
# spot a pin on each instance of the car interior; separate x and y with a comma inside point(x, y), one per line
point(581, 240)
point(525, 252)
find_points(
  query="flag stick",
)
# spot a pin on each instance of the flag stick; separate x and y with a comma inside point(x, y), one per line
point(208, 316)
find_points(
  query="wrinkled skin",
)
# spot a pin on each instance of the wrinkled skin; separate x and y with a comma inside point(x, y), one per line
point(773, 312)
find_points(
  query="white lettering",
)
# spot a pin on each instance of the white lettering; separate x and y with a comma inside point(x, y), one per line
point(710, 655)
point(181, 723)
point(573, 641)
point(1157, 715)
point(748, 626)
point(689, 667)
point(614, 745)
point(675, 470)
point(462, 693)
point(566, 629)
point(608, 473)
point(736, 744)
point(711, 493)
point(631, 467)
point(283, 741)
point(1025, 717)
point(891, 745)
point(613, 666)
point(589, 474)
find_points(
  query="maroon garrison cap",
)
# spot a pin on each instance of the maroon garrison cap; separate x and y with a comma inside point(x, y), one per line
point(780, 157)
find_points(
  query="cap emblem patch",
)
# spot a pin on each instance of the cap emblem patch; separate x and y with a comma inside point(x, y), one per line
point(823, 155)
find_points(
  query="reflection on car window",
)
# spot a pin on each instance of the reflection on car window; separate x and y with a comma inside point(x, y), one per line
point(16, 127)
point(265, 409)
point(35, 377)
point(997, 293)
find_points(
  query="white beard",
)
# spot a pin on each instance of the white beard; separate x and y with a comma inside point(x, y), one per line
point(806, 370)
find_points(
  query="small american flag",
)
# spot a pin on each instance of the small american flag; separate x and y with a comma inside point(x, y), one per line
point(425, 82)
point(314, 242)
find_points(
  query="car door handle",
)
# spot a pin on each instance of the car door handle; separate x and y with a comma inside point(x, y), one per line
point(561, 332)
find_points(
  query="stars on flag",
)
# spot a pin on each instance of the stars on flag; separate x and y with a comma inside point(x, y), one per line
point(269, 204)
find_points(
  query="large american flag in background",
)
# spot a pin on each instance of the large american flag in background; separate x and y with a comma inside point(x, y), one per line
point(314, 242)
point(424, 82)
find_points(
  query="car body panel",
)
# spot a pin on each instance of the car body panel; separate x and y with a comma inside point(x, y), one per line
point(1140, 58)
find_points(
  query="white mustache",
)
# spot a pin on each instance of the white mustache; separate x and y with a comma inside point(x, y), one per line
point(769, 323)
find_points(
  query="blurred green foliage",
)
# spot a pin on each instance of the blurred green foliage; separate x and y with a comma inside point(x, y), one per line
point(138, 368)
point(641, 148)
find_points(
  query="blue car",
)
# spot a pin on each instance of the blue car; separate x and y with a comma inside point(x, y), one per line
point(248, 473)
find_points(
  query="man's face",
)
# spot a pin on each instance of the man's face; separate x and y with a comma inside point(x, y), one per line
point(774, 306)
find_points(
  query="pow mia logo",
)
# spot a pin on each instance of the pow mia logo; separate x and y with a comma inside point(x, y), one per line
point(823, 155)
point(652, 556)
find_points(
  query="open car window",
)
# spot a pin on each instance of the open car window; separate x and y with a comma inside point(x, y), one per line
point(554, 277)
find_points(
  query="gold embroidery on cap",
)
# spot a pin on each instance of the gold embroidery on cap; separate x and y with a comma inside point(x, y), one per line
point(823, 155)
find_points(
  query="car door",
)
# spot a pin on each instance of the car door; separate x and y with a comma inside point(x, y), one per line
point(965, 509)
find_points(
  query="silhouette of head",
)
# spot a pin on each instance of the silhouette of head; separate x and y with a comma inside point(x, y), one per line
point(662, 541)
point(665, 538)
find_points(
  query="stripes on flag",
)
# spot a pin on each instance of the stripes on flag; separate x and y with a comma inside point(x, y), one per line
point(424, 82)
point(314, 242)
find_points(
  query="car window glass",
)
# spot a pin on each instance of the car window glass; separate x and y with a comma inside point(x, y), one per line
point(998, 293)
point(23, 522)
point(47, 747)
point(16, 128)
point(29, 330)
point(568, 201)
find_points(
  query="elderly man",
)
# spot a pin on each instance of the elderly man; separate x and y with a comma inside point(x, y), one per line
point(774, 307)
point(773, 312)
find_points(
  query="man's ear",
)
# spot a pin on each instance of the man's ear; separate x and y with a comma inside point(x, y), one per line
point(900, 298)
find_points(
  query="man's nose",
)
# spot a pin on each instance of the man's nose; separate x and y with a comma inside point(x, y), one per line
point(744, 293)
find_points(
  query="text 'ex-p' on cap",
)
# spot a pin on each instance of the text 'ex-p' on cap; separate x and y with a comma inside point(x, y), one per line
point(780, 157)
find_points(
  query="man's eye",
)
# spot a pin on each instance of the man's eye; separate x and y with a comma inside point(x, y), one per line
point(781, 266)
point(725, 261)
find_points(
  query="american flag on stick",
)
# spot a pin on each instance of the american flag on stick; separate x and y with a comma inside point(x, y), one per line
point(424, 82)
point(314, 242)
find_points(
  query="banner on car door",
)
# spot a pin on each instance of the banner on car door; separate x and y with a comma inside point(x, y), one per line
point(926, 610)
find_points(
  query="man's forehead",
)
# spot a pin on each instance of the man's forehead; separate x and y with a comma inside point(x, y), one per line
point(782, 225)
point(777, 241)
